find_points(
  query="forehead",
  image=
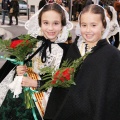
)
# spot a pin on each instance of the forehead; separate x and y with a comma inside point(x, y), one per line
point(90, 17)
point(51, 15)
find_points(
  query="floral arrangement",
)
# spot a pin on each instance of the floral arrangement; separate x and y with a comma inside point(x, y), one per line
point(62, 77)
point(18, 48)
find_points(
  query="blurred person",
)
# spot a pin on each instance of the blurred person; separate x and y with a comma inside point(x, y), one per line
point(64, 4)
point(41, 4)
point(14, 11)
point(114, 34)
point(5, 9)
point(50, 1)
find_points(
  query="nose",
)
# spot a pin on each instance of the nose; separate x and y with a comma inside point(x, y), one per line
point(50, 27)
point(88, 28)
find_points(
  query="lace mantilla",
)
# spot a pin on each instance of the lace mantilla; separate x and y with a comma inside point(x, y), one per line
point(32, 25)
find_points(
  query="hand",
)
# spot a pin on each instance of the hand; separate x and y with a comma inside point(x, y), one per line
point(28, 82)
point(21, 70)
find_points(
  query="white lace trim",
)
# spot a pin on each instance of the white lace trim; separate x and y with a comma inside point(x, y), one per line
point(53, 60)
point(4, 85)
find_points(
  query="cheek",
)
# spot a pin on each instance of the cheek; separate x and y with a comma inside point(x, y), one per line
point(58, 28)
point(82, 31)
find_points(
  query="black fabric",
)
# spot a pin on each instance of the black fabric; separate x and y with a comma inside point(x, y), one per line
point(46, 44)
point(6, 69)
point(8, 66)
point(41, 4)
point(96, 95)
point(5, 4)
point(65, 48)
point(114, 40)
point(15, 108)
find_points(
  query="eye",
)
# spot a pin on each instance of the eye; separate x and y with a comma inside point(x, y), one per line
point(93, 25)
point(83, 25)
point(45, 23)
point(56, 23)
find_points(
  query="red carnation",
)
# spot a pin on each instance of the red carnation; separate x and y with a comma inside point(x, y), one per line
point(62, 79)
point(15, 43)
point(67, 72)
point(56, 74)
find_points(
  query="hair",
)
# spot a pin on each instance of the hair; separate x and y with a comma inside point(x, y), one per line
point(54, 7)
point(96, 10)
point(109, 12)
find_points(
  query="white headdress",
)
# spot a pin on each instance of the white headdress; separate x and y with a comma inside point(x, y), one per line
point(114, 26)
point(32, 25)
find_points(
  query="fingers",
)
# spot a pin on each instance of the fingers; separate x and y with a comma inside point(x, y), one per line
point(21, 70)
point(28, 82)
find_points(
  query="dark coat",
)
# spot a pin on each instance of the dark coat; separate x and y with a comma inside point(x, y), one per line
point(96, 95)
point(5, 4)
point(15, 5)
point(42, 3)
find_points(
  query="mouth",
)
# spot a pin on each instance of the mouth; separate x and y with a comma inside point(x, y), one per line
point(89, 36)
point(51, 33)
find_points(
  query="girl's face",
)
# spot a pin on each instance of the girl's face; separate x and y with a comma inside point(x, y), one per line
point(91, 28)
point(51, 25)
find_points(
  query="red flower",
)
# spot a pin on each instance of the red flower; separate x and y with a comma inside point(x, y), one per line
point(53, 81)
point(15, 43)
point(67, 72)
point(56, 74)
point(62, 79)
point(62, 75)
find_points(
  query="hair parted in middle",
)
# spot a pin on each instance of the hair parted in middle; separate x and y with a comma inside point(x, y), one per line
point(54, 7)
point(95, 9)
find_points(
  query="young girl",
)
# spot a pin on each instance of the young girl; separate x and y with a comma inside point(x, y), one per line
point(52, 24)
point(114, 34)
point(96, 95)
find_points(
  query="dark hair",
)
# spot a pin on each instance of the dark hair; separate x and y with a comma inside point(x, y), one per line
point(109, 12)
point(55, 7)
point(96, 10)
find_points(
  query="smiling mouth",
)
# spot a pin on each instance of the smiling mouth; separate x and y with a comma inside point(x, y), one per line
point(51, 33)
point(89, 36)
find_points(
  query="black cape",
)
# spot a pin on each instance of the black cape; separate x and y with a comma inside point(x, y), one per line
point(96, 95)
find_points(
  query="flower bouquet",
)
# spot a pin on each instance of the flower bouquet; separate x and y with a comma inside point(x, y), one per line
point(62, 77)
point(18, 49)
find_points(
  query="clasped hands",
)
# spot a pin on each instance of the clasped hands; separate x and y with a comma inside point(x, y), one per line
point(26, 80)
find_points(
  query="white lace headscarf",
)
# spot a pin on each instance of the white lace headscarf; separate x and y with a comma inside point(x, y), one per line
point(32, 25)
point(114, 26)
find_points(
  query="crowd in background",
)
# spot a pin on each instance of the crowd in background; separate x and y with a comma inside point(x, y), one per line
point(78, 5)
point(10, 8)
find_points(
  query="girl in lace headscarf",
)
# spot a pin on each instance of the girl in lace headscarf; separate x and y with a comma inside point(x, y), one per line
point(96, 95)
point(50, 25)
point(114, 34)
